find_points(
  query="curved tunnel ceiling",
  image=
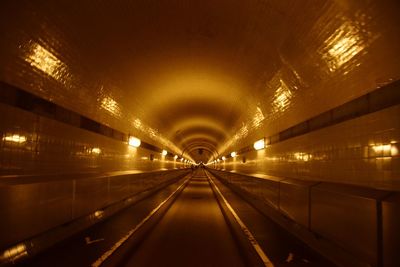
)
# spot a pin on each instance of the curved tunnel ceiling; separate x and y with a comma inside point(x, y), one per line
point(202, 74)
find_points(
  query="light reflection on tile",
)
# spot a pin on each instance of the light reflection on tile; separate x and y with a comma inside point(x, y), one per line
point(356, 152)
point(95, 151)
point(154, 134)
point(15, 138)
point(14, 253)
point(42, 59)
point(346, 42)
point(111, 106)
point(282, 96)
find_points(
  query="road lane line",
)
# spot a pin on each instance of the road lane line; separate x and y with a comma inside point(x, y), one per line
point(119, 243)
point(246, 231)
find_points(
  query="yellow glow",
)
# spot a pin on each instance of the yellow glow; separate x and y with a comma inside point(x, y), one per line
point(96, 150)
point(45, 61)
point(282, 97)
point(260, 144)
point(110, 105)
point(258, 118)
point(302, 156)
point(233, 154)
point(394, 151)
point(14, 253)
point(223, 158)
point(387, 149)
point(15, 138)
point(98, 214)
point(133, 141)
point(181, 159)
point(346, 42)
point(380, 148)
point(154, 134)
point(176, 157)
point(164, 152)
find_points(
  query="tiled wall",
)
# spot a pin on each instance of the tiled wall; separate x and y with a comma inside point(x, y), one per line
point(32, 144)
point(52, 173)
point(51, 202)
point(331, 218)
point(362, 151)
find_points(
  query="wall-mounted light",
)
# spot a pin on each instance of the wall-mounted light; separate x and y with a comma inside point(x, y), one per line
point(96, 150)
point(223, 158)
point(176, 157)
point(15, 138)
point(260, 144)
point(133, 141)
point(233, 154)
point(164, 152)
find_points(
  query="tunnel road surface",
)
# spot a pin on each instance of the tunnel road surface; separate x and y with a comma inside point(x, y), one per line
point(193, 232)
point(193, 228)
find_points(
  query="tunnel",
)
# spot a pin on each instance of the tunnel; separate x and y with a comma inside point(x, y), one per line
point(200, 133)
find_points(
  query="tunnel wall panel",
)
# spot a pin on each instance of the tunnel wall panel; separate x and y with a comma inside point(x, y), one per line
point(391, 233)
point(294, 200)
point(348, 216)
point(362, 151)
point(89, 195)
point(360, 220)
point(51, 146)
point(29, 208)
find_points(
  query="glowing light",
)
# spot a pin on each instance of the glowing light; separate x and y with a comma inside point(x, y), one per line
point(302, 156)
point(223, 158)
point(98, 214)
point(181, 159)
point(133, 141)
point(380, 148)
point(110, 105)
point(176, 157)
point(15, 138)
point(164, 152)
point(154, 134)
point(258, 118)
point(387, 149)
point(14, 253)
point(45, 61)
point(346, 42)
point(233, 154)
point(96, 150)
point(394, 151)
point(282, 97)
point(260, 144)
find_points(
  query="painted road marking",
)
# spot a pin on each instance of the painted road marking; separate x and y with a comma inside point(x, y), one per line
point(246, 231)
point(119, 243)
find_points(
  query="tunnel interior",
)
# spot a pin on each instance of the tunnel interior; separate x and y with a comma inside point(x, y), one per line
point(220, 75)
point(299, 92)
